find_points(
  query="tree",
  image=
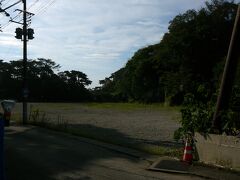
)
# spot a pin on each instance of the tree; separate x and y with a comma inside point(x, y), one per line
point(190, 54)
point(75, 78)
point(43, 83)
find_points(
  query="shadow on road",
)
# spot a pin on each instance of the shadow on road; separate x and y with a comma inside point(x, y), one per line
point(37, 153)
point(116, 137)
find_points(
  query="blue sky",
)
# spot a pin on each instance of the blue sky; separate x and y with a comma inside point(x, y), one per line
point(96, 37)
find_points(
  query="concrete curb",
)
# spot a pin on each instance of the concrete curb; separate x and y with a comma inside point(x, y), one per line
point(196, 169)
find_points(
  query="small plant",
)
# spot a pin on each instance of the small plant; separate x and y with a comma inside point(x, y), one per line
point(197, 113)
point(62, 123)
point(230, 122)
point(34, 115)
point(37, 117)
point(42, 119)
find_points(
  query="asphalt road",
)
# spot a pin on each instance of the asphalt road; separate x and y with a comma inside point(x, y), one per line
point(33, 153)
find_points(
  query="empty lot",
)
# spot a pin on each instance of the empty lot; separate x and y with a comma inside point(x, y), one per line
point(132, 123)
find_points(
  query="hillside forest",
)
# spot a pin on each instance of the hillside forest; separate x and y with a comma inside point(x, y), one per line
point(190, 55)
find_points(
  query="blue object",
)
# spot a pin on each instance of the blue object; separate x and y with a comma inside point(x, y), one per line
point(2, 170)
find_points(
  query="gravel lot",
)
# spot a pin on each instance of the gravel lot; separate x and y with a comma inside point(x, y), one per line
point(144, 124)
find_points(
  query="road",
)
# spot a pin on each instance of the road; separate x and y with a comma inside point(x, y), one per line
point(36, 153)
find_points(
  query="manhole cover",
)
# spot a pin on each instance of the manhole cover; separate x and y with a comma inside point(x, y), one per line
point(170, 165)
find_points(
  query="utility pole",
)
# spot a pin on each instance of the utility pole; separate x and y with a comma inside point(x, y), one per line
point(229, 74)
point(27, 34)
point(23, 34)
point(25, 88)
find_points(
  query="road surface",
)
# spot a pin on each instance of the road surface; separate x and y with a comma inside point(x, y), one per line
point(38, 154)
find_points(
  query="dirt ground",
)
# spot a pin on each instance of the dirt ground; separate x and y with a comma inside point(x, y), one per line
point(145, 124)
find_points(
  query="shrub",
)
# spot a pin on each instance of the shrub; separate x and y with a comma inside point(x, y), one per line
point(197, 113)
point(198, 110)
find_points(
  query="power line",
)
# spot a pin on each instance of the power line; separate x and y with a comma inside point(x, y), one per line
point(33, 4)
point(3, 10)
point(40, 10)
point(41, 6)
point(44, 7)
point(44, 10)
point(24, 34)
point(9, 22)
point(5, 25)
point(6, 2)
point(17, 16)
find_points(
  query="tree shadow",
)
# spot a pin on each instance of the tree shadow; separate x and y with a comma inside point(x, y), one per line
point(37, 153)
point(116, 137)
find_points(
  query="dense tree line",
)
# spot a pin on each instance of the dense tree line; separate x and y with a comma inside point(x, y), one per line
point(190, 54)
point(44, 84)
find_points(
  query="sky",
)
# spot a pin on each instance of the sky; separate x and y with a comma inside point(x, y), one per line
point(96, 37)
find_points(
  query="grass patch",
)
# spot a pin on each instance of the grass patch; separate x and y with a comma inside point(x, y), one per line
point(114, 106)
point(58, 106)
point(132, 106)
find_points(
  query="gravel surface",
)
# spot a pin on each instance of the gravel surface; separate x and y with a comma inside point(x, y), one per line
point(148, 125)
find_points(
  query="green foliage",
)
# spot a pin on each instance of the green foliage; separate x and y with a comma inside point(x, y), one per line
point(191, 53)
point(197, 113)
point(198, 110)
point(43, 83)
point(230, 118)
point(228, 122)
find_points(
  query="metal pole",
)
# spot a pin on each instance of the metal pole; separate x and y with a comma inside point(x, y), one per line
point(2, 170)
point(25, 88)
point(228, 74)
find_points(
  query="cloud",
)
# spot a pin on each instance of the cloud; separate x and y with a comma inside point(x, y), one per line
point(98, 37)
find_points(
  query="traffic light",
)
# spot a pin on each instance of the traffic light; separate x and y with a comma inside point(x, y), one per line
point(19, 33)
point(30, 33)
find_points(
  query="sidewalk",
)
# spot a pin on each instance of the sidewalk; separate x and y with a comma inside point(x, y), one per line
point(197, 169)
point(200, 170)
point(170, 165)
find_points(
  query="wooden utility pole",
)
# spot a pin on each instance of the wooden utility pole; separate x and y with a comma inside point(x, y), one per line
point(229, 74)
